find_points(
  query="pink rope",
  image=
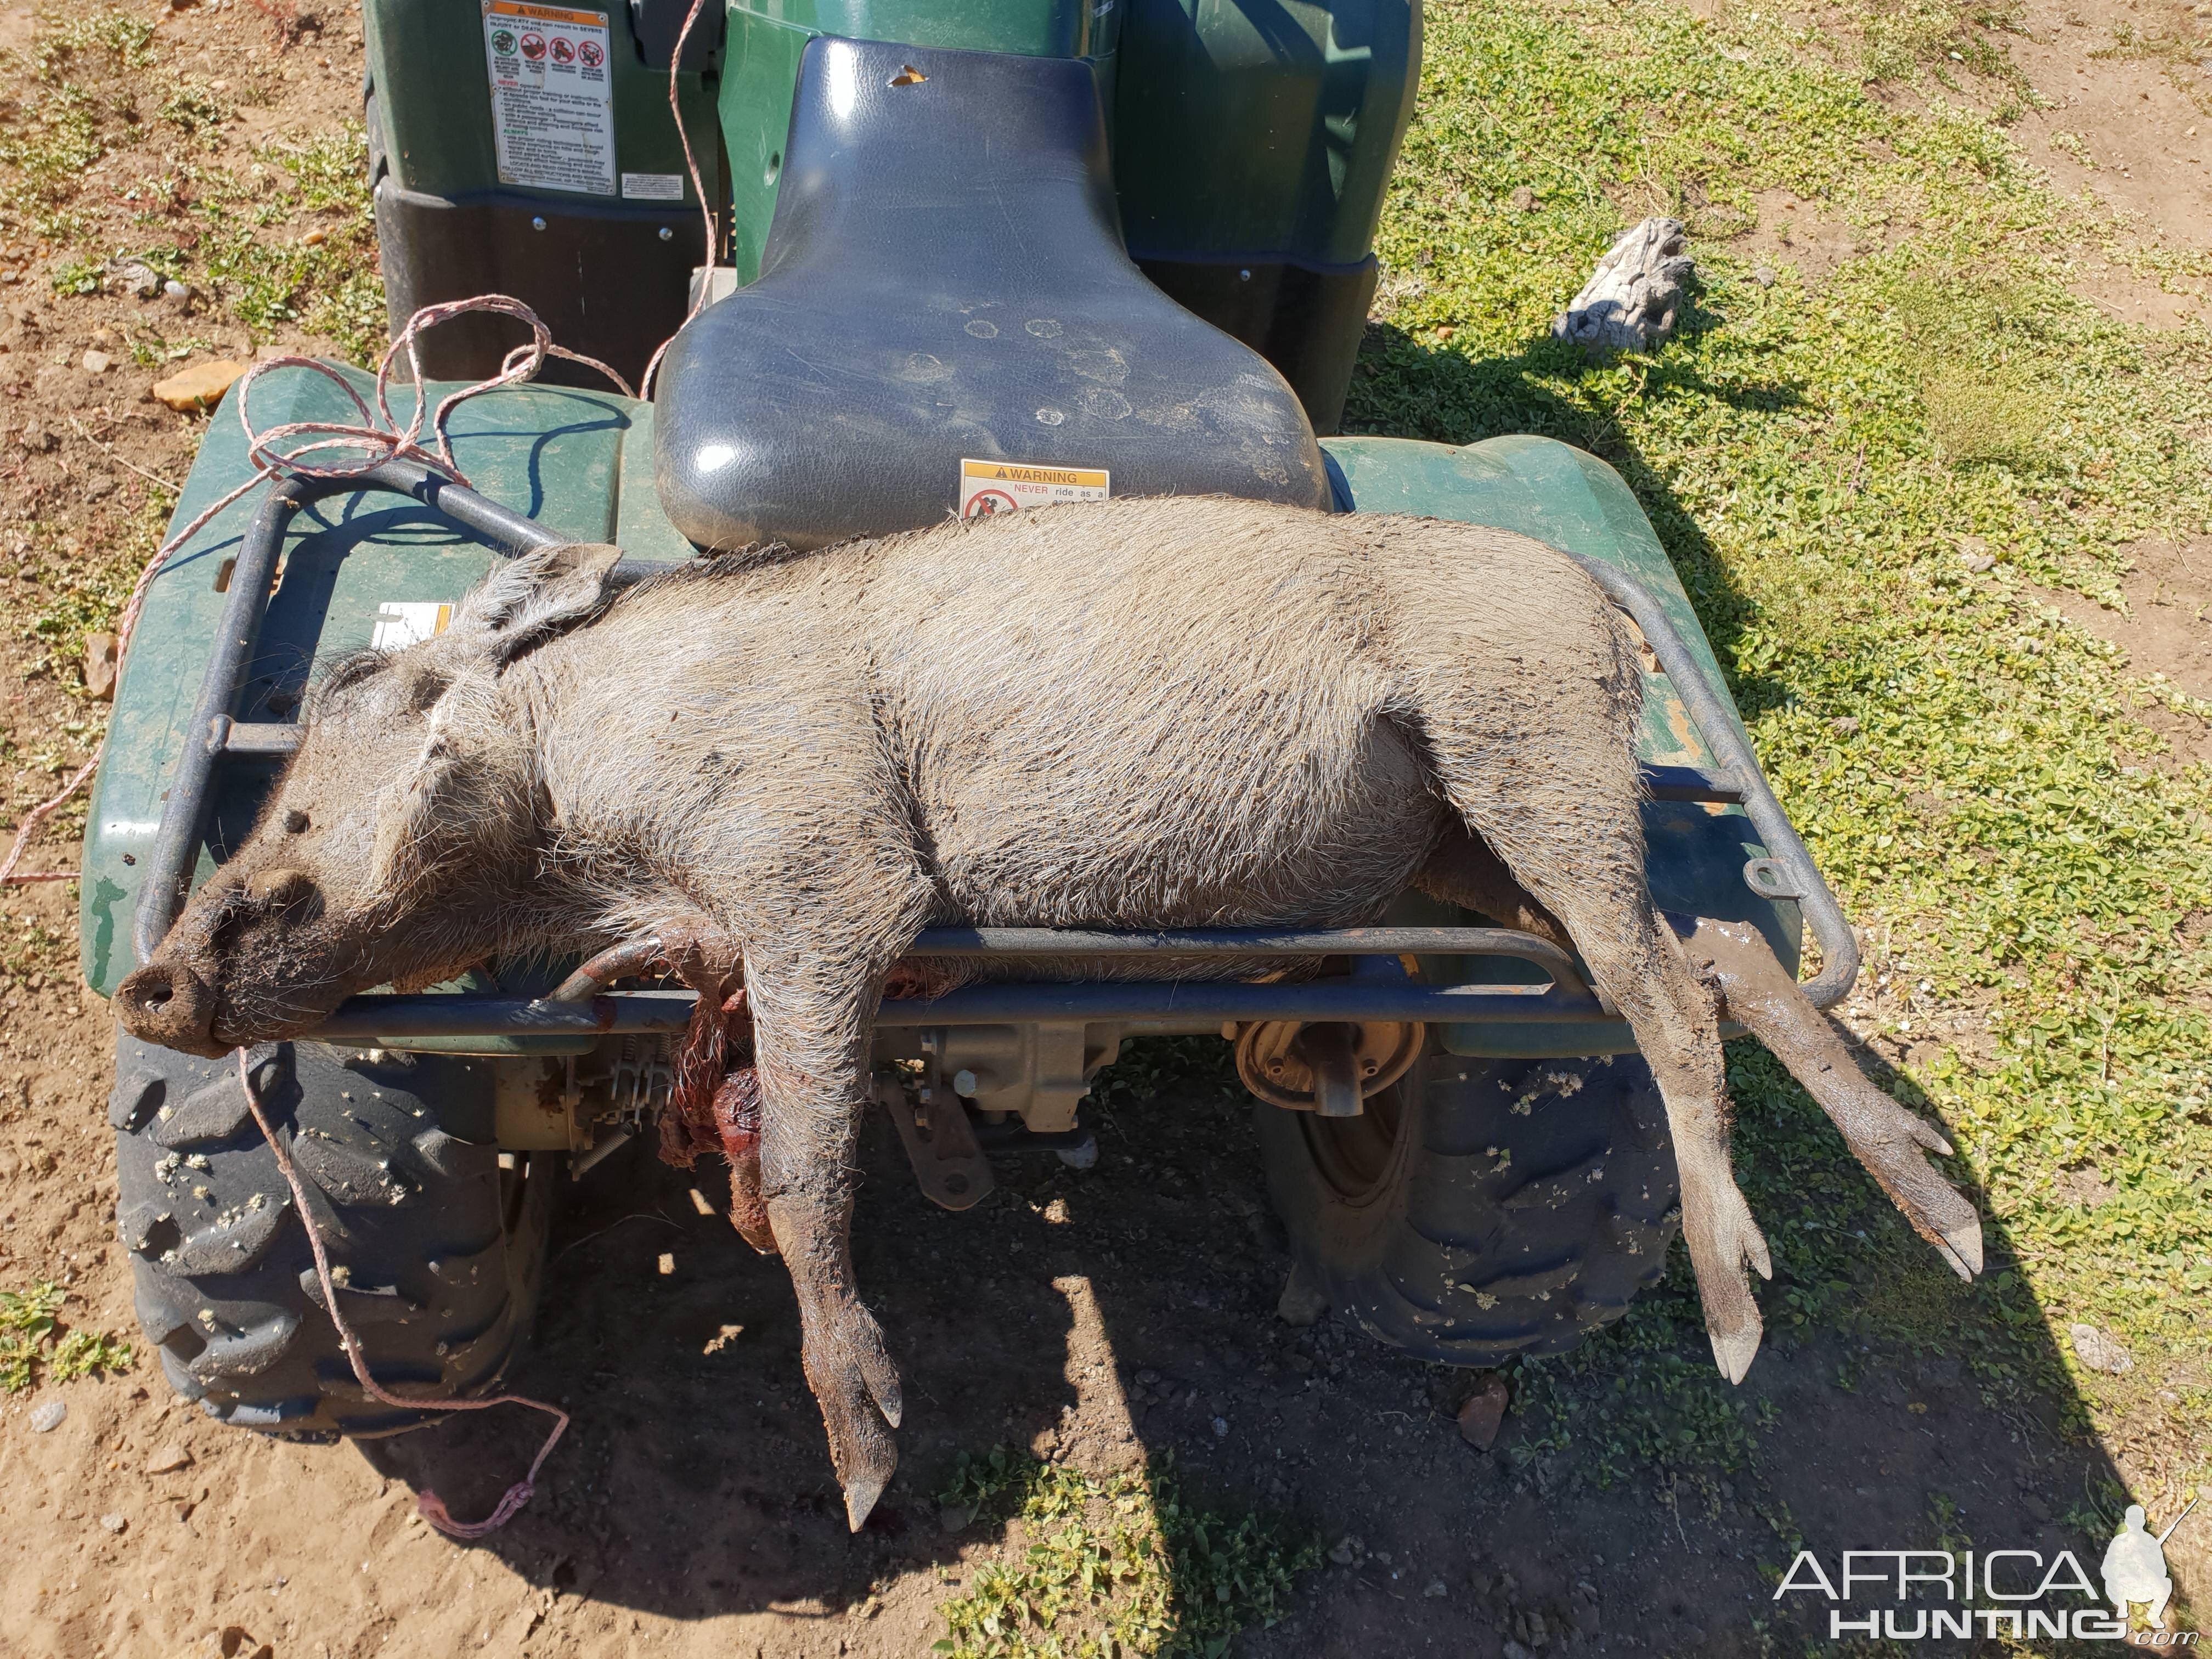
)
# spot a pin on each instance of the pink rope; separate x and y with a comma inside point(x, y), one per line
point(377, 439)
point(430, 1505)
point(698, 189)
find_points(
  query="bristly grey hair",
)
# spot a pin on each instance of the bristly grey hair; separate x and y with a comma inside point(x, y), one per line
point(341, 672)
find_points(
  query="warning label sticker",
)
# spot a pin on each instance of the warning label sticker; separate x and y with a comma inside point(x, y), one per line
point(653, 186)
point(552, 97)
point(989, 486)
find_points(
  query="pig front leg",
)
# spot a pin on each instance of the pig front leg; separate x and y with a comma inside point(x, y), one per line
point(811, 1023)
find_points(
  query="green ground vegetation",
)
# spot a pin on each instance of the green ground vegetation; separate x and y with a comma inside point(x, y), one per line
point(1119, 1565)
point(34, 1348)
point(114, 153)
point(1865, 475)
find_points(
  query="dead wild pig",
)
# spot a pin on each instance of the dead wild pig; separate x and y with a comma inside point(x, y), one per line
point(1139, 714)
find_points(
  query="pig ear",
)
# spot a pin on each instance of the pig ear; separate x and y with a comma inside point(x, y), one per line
point(526, 601)
point(410, 814)
point(465, 795)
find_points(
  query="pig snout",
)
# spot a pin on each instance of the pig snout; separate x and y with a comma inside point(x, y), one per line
point(166, 1003)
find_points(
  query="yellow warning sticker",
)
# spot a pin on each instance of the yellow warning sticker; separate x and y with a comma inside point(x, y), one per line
point(552, 94)
point(990, 487)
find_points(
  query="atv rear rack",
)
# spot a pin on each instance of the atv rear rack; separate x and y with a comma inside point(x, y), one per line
point(1378, 987)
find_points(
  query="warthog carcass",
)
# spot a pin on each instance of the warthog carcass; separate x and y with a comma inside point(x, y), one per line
point(1139, 714)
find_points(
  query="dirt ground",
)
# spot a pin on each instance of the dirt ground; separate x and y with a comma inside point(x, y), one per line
point(1099, 1315)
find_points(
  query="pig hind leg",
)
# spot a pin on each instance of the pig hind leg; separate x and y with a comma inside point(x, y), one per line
point(1556, 801)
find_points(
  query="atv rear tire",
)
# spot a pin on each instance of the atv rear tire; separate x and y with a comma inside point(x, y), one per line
point(1481, 1208)
point(438, 1250)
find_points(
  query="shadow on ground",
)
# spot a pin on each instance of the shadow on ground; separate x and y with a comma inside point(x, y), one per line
point(695, 1483)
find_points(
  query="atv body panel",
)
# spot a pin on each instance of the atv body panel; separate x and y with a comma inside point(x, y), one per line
point(605, 262)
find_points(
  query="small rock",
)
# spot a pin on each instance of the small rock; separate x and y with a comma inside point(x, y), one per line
point(1302, 1302)
point(1435, 1587)
point(315, 238)
point(98, 362)
point(100, 666)
point(1345, 1551)
point(1513, 1651)
point(168, 1460)
point(2099, 1352)
point(1845, 726)
point(199, 386)
point(2036, 1507)
point(1523, 198)
point(1763, 275)
point(133, 276)
point(1482, 1412)
point(174, 289)
point(952, 1518)
point(1221, 1428)
point(115, 1521)
point(1978, 562)
point(48, 1416)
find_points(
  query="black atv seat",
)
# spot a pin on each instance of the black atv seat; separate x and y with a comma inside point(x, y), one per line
point(944, 280)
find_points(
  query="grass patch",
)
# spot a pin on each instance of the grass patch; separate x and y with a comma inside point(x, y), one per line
point(1970, 769)
point(1901, 39)
point(29, 1349)
point(113, 152)
point(75, 591)
point(1119, 1564)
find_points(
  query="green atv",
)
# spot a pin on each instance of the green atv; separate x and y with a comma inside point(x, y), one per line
point(963, 259)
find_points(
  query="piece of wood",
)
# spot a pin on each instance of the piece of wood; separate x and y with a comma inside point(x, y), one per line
point(1632, 299)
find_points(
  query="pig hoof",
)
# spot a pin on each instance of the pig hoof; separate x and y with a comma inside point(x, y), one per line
point(1962, 1247)
point(1723, 1240)
point(850, 1367)
point(861, 1497)
point(1733, 1351)
point(861, 1448)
